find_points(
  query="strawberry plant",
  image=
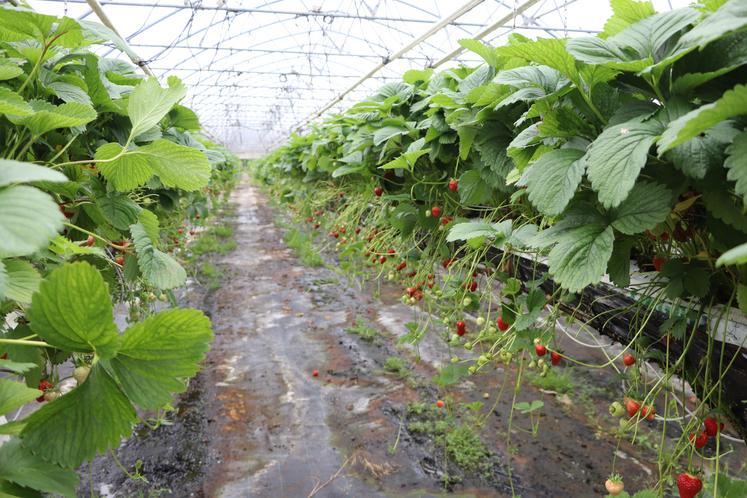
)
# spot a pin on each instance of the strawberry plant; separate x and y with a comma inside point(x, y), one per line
point(565, 171)
point(99, 168)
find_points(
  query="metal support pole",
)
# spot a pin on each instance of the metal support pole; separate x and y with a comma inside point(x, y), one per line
point(96, 7)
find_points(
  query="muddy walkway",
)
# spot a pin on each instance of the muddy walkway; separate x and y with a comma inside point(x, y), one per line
point(257, 423)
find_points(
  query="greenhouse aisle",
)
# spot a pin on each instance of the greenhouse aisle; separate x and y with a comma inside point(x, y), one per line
point(257, 422)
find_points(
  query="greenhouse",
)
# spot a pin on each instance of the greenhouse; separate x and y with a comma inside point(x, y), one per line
point(373, 248)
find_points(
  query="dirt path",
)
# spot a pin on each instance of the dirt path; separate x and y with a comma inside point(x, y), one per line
point(256, 423)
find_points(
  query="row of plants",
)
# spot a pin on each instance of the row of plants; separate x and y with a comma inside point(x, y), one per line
point(618, 158)
point(104, 178)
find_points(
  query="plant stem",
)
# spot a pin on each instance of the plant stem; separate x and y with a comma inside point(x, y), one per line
point(24, 342)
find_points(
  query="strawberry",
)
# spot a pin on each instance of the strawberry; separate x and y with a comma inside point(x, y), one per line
point(555, 358)
point(315, 373)
point(664, 236)
point(502, 324)
point(81, 373)
point(700, 440)
point(180, 231)
point(648, 412)
point(629, 360)
point(445, 220)
point(540, 349)
point(119, 260)
point(197, 216)
point(461, 328)
point(439, 404)
point(632, 407)
point(616, 409)
point(378, 191)
point(711, 426)
point(191, 232)
point(391, 251)
point(401, 266)
point(453, 185)
point(446, 263)
point(614, 485)
point(357, 230)
point(45, 385)
point(473, 286)
point(436, 211)
point(382, 259)
point(688, 485)
point(90, 240)
point(658, 262)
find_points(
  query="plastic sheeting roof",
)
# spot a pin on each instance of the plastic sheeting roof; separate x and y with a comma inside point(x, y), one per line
point(257, 70)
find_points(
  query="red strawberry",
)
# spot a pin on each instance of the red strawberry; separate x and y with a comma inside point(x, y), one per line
point(461, 328)
point(555, 358)
point(632, 407)
point(502, 324)
point(473, 286)
point(401, 266)
point(119, 260)
point(391, 251)
point(191, 232)
point(540, 350)
point(688, 485)
point(439, 404)
point(628, 359)
point(446, 263)
point(357, 230)
point(436, 211)
point(699, 441)
point(648, 412)
point(44, 385)
point(711, 426)
point(445, 220)
point(180, 231)
point(664, 236)
point(382, 259)
point(315, 373)
point(378, 191)
point(659, 261)
point(453, 185)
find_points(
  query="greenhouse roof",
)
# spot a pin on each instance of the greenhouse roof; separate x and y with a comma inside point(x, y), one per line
point(258, 70)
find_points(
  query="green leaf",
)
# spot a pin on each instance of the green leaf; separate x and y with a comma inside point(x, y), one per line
point(625, 13)
point(68, 92)
point(67, 248)
point(28, 219)
point(474, 229)
point(14, 395)
point(12, 172)
point(383, 134)
point(472, 189)
point(158, 268)
point(450, 374)
point(546, 51)
point(553, 179)
point(74, 428)
point(184, 118)
point(149, 103)
point(73, 310)
point(13, 104)
point(175, 165)
point(9, 70)
point(95, 31)
point(48, 117)
point(149, 222)
point(736, 163)
point(702, 153)
point(647, 205)
point(730, 18)
point(348, 169)
point(466, 138)
point(20, 466)
point(119, 210)
point(618, 267)
point(734, 256)
point(483, 50)
point(159, 353)
point(732, 103)
point(22, 280)
point(17, 367)
point(616, 157)
point(582, 244)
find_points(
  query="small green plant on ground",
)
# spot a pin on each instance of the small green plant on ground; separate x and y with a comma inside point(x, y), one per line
point(211, 275)
point(467, 450)
point(559, 382)
point(363, 331)
point(302, 245)
point(397, 366)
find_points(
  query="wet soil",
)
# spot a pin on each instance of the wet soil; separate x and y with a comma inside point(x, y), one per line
point(257, 423)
